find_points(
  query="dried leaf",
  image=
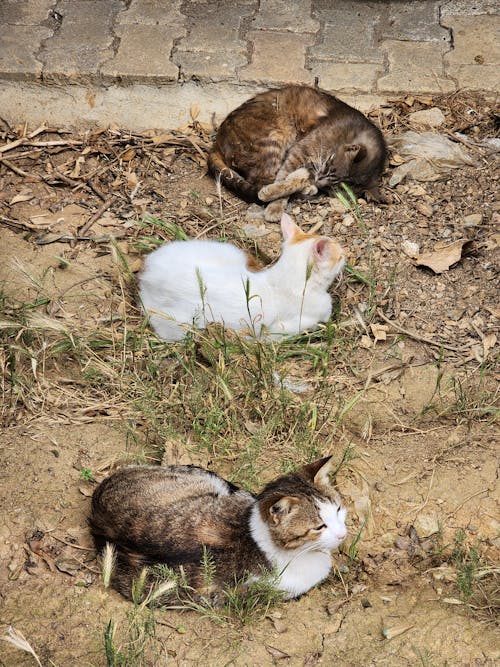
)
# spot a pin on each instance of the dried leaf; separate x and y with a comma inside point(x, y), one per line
point(379, 331)
point(25, 195)
point(78, 166)
point(162, 139)
point(493, 241)
point(194, 112)
point(452, 601)
point(128, 155)
point(68, 565)
point(489, 342)
point(440, 260)
point(366, 342)
point(276, 653)
point(278, 624)
point(424, 209)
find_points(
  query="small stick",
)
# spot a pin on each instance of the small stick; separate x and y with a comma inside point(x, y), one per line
point(13, 167)
point(70, 544)
point(47, 144)
point(422, 339)
point(22, 140)
point(459, 507)
point(85, 228)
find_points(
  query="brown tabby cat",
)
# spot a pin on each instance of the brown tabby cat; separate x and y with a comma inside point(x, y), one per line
point(172, 514)
point(296, 139)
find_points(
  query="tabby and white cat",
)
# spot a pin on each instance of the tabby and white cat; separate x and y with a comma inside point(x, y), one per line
point(192, 283)
point(173, 515)
point(296, 139)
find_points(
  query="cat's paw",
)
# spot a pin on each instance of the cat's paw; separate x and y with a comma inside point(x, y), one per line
point(309, 190)
point(269, 192)
point(275, 210)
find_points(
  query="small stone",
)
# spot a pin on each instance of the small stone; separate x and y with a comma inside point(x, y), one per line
point(426, 525)
point(433, 117)
point(411, 249)
point(348, 220)
point(424, 209)
point(337, 206)
point(416, 190)
point(472, 220)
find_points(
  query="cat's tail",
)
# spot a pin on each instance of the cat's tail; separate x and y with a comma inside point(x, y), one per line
point(230, 178)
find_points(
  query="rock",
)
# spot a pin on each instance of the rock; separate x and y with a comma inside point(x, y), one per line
point(433, 117)
point(411, 249)
point(426, 525)
point(348, 220)
point(473, 220)
point(337, 206)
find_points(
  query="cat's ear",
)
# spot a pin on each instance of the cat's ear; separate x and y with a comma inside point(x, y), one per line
point(321, 249)
point(288, 228)
point(281, 508)
point(354, 152)
point(318, 472)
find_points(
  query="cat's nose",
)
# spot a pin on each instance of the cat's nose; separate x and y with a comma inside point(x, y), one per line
point(342, 533)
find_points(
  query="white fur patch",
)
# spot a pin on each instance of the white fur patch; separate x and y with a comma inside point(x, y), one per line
point(192, 283)
point(333, 517)
point(297, 570)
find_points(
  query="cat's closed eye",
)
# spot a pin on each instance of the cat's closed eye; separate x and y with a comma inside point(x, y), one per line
point(322, 527)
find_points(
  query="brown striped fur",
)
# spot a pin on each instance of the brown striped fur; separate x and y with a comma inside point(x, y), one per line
point(296, 139)
point(170, 514)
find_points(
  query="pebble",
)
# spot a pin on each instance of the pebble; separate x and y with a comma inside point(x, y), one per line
point(426, 525)
point(472, 220)
point(432, 117)
point(411, 249)
point(337, 206)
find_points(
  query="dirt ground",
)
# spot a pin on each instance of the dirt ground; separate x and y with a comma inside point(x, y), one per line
point(409, 385)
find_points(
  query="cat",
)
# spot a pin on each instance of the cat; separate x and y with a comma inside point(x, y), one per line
point(174, 515)
point(192, 283)
point(296, 139)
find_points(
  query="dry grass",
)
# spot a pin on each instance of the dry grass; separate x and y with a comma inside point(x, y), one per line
point(249, 409)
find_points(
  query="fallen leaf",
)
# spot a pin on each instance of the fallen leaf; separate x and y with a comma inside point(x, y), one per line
point(279, 625)
point(132, 180)
point(68, 565)
point(366, 342)
point(489, 342)
point(424, 209)
point(78, 166)
point(379, 331)
point(452, 601)
point(128, 155)
point(162, 139)
point(194, 112)
point(493, 241)
point(441, 260)
point(276, 653)
point(25, 195)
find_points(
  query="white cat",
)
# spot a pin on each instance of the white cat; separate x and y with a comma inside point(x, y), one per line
point(192, 283)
